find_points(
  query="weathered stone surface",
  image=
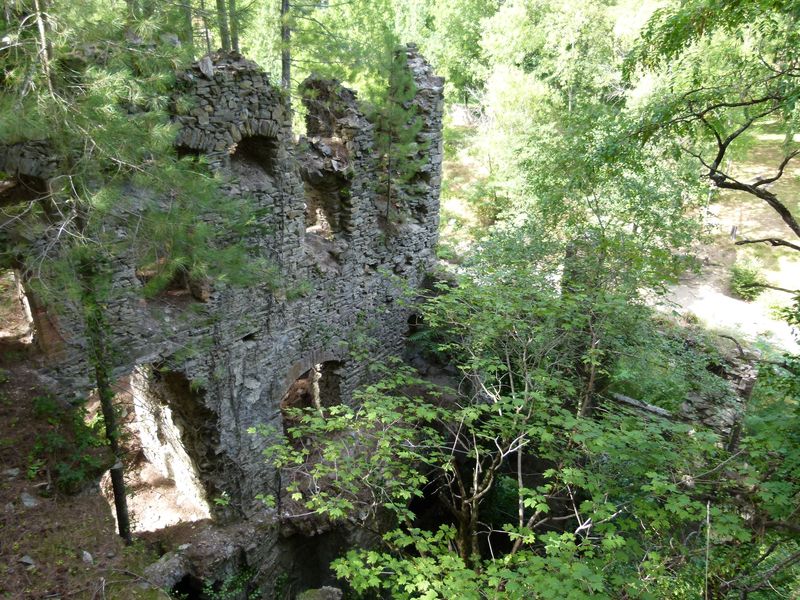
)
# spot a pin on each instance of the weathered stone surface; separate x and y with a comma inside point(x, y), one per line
point(217, 360)
point(28, 501)
point(323, 593)
point(234, 352)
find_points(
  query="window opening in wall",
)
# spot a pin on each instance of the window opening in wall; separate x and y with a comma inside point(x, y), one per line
point(317, 388)
point(325, 210)
point(186, 151)
point(179, 286)
point(327, 179)
point(415, 324)
point(253, 159)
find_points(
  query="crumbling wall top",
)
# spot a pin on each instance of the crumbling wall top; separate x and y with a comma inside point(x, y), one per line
point(229, 98)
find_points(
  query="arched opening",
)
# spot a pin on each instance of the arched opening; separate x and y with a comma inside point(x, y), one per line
point(252, 161)
point(317, 388)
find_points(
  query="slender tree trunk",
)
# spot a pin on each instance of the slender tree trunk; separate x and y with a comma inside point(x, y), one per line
point(467, 540)
point(188, 28)
point(205, 25)
point(45, 49)
point(234, 25)
point(286, 57)
point(101, 361)
point(388, 185)
point(222, 17)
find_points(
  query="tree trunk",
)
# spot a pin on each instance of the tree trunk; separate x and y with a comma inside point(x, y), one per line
point(286, 58)
point(205, 25)
point(45, 49)
point(467, 540)
point(222, 18)
point(188, 29)
point(234, 25)
point(101, 361)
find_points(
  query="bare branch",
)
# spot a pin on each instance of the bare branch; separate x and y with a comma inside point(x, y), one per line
point(766, 180)
point(764, 581)
point(772, 242)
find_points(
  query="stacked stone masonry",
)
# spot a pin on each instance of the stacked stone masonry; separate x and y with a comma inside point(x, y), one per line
point(223, 364)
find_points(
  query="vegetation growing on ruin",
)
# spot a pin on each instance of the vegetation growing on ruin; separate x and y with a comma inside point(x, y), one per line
point(586, 143)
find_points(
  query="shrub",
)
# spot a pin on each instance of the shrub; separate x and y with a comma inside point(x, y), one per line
point(67, 447)
point(746, 281)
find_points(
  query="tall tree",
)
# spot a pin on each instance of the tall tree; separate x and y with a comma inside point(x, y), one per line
point(188, 24)
point(234, 20)
point(286, 56)
point(695, 47)
point(396, 127)
point(222, 23)
point(97, 101)
point(93, 277)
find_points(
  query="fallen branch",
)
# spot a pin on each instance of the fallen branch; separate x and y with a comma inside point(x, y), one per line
point(638, 404)
point(739, 347)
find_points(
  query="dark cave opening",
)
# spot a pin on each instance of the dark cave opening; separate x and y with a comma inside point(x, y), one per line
point(188, 588)
point(22, 188)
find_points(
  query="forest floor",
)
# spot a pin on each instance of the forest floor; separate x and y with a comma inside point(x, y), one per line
point(53, 544)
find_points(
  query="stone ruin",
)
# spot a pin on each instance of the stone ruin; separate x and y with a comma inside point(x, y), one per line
point(205, 367)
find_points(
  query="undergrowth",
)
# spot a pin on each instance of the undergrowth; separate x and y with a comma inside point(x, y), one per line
point(70, 450)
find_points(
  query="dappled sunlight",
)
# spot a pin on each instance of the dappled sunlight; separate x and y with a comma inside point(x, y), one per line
point(15, 317)
point(737, 216)
point(156, 502)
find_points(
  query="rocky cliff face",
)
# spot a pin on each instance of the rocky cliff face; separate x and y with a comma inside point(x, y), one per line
point(210, 365)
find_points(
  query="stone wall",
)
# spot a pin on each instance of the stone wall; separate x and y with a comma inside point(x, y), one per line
point(238, 351)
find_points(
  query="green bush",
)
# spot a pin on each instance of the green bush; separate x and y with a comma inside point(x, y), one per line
point(68, 447)
point(746, 281)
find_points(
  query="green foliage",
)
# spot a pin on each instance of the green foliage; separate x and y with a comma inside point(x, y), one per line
point(673, 364)
point(449, 35)
point(384, 442)
point(746, 281)
point(118, 87)
point(223, 499)
point(234, 587)
point(397, 125)
point(71, 449)
point(617, 503)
